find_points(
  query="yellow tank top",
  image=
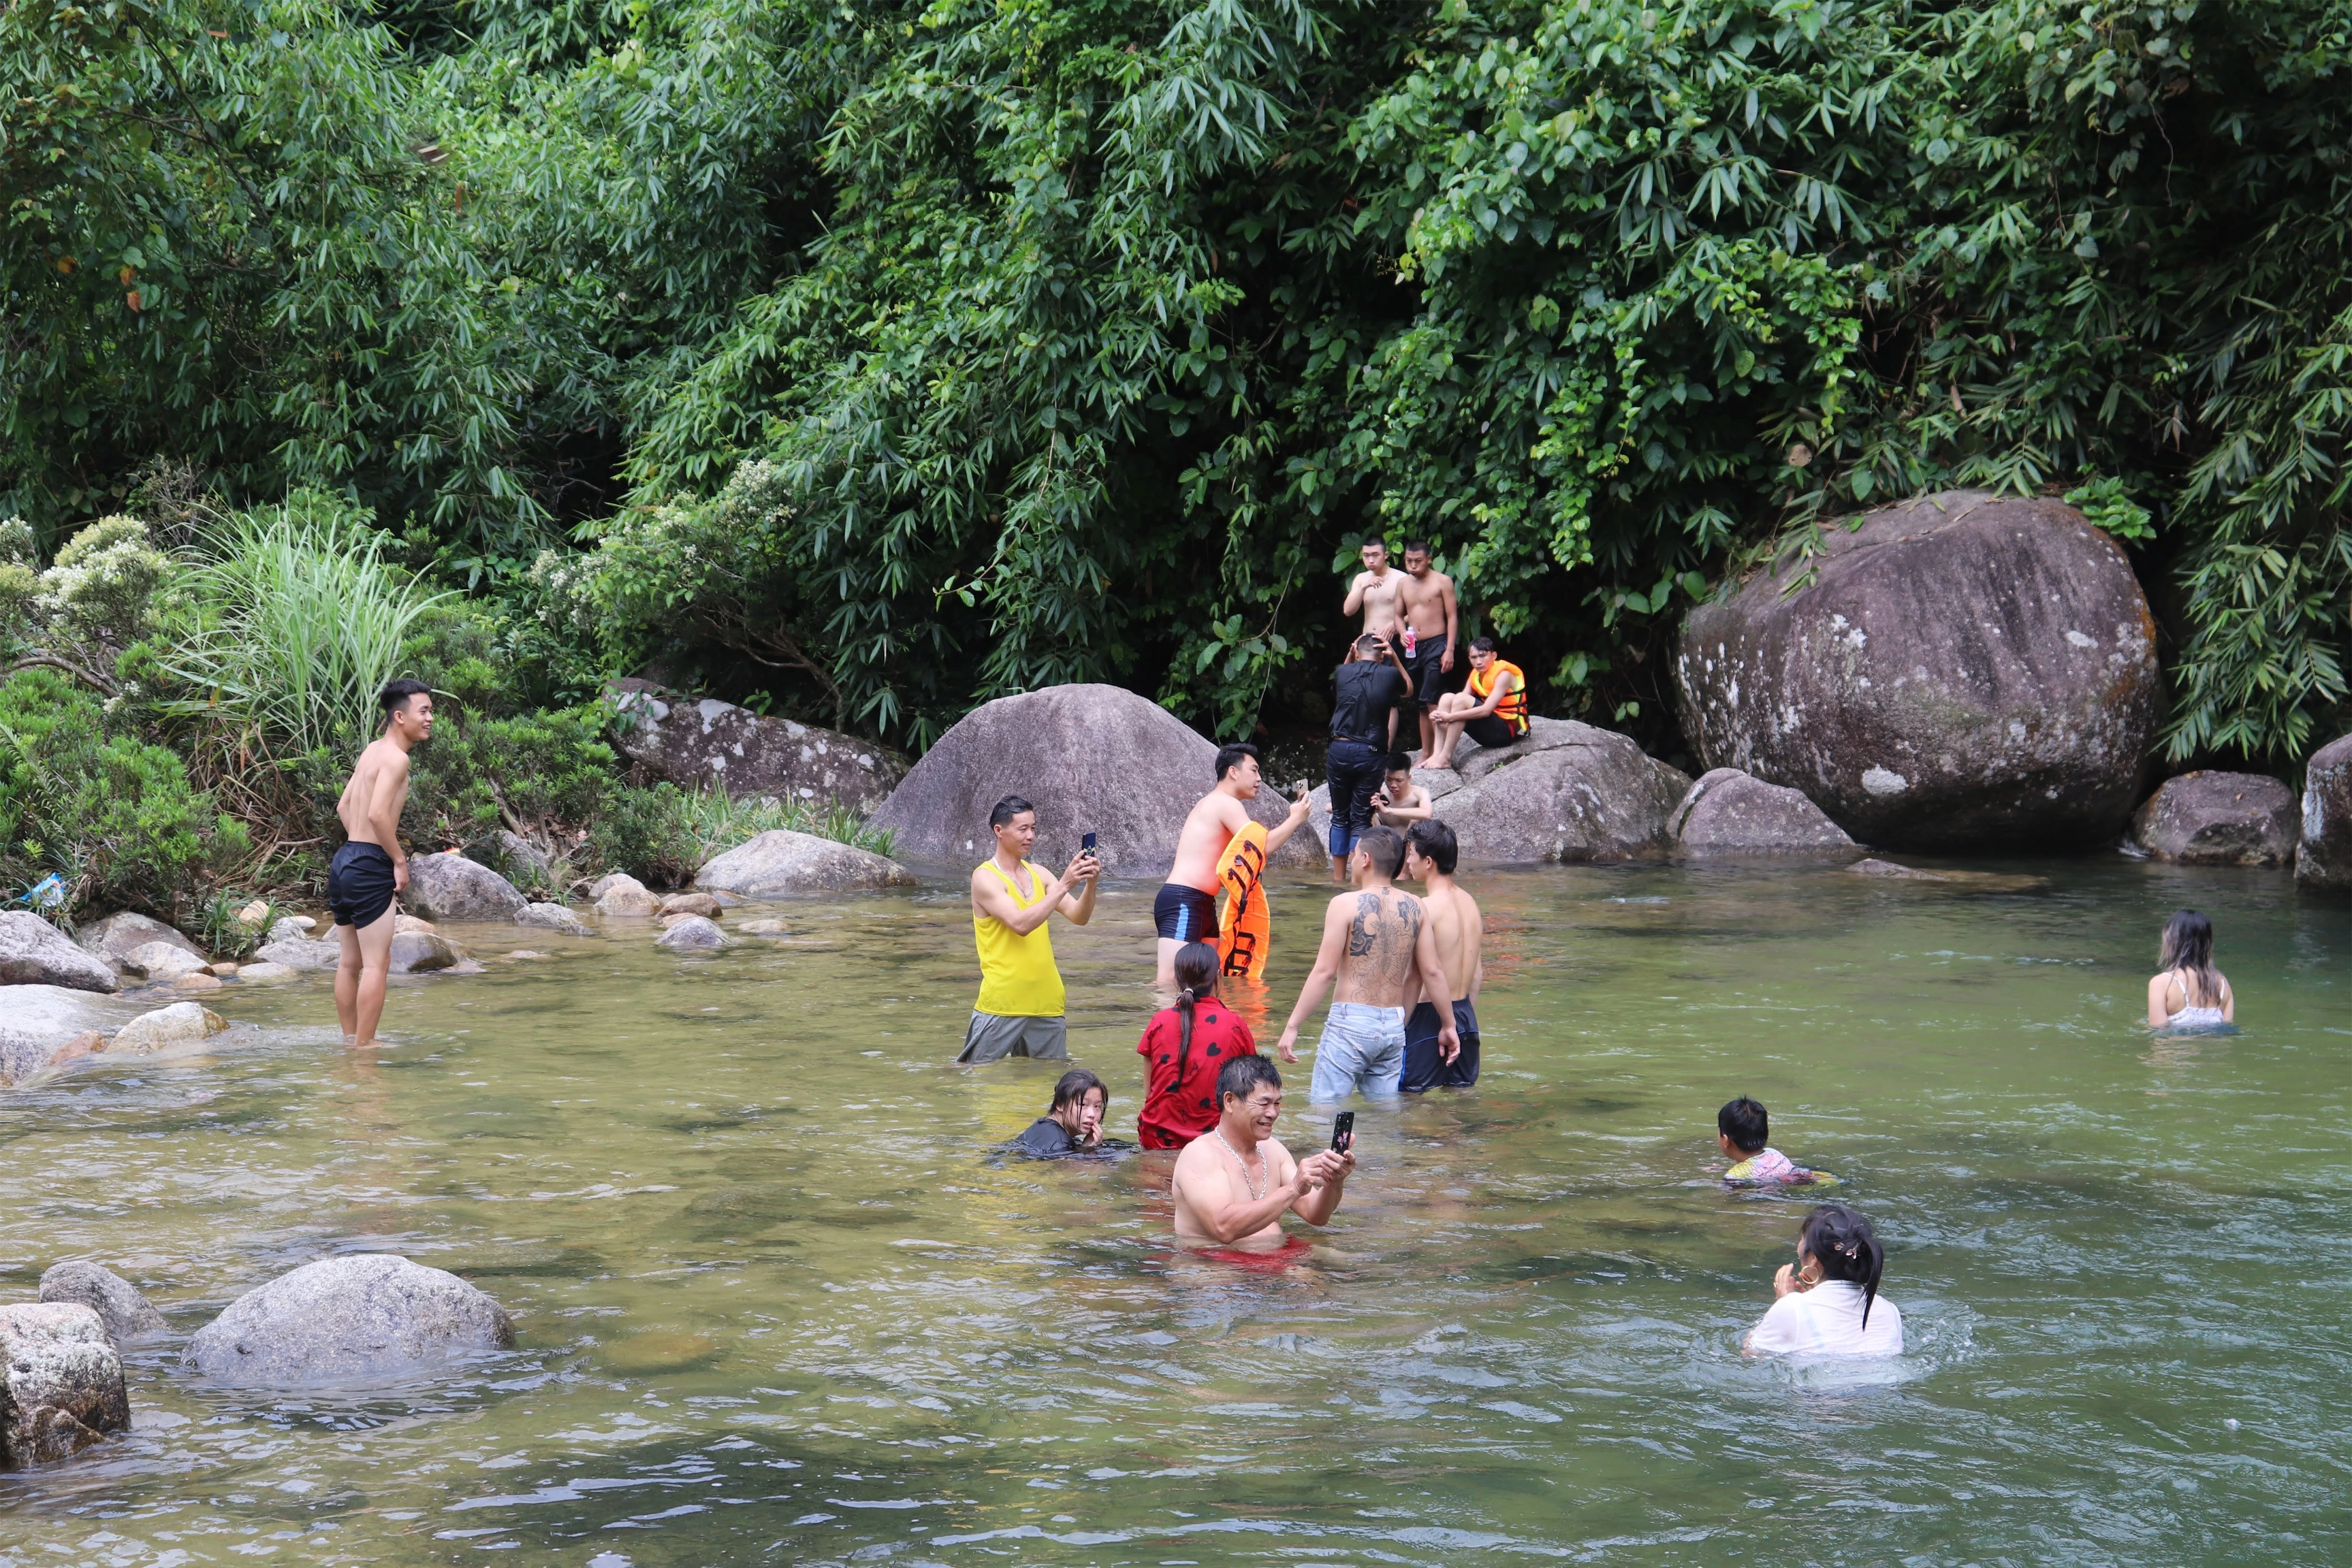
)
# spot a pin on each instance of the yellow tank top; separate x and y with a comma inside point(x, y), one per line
point(1017, 977)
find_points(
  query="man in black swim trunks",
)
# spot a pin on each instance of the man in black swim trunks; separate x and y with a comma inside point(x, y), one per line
point(1428, 619)
point(370, 870)
point(1186, 907)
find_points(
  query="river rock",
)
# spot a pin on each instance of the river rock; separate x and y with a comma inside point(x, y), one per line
point(370, 1319)
point(696, 742)
point(781, 863)
point(35, 953)
point(448, 887)
point(553, 917)
point(60, 1383)
point(2323, 860)
point(421, 952)
point(266, 973)
point(691, 933)
point(621, 896)
point(515, 858)
point(410, 923)
point(300, 953)
point(127, 1316)
point(2219, 819)
point(1090, 758)
point(116, 936)
point(45, 1027)
point(691, 904)
point(1567, 791)
point(181, 1024)
point(162, 960)
point(291, 928)
point(1728, 812)
point(764, 928)
point(1966, 671)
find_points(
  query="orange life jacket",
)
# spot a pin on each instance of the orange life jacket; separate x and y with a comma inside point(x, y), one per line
point(1512, 708)
point(1246, 924)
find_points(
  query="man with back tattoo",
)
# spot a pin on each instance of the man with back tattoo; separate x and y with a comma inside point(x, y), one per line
point(1374, 937)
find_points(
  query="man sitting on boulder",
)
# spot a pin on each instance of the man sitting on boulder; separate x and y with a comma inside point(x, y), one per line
point(1493, 713)
point(1019, 1011)
point(1186, 907)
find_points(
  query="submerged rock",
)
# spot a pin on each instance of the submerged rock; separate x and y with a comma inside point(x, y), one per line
point(1888, 869)
point(700, 742)
point(35, 953)
point(265, 974)
point(181, 1024)
point(691, 933)
point(1728, 812)
point(552, 917)
point(763, 928)
point(1965, 671)
point(623, 897)
point(2219, 819)
point(60, 1383)
point(116, 936)
point(1090, 758)
point(362, 1319)
point(127, 1316)
point(2323, 860)
point(448, 887)
point(779, 863)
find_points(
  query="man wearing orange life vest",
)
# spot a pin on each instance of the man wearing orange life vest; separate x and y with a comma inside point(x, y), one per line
point(1019, 1011)
point(1493, 713)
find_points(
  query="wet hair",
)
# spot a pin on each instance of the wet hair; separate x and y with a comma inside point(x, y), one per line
point(1245, 1075)
point(1417, 547)
point(1399, 762)
point(1228, 757)
point(1482, 643)
point(1196, 974)
point(396, 693)
point(1436, 843)
point(1370, 644)
point(1844, 1243)
point(1746, 1123)
point(2189, 947)
point(1006, 810)
point(1385, 846)
point(1075, 1085)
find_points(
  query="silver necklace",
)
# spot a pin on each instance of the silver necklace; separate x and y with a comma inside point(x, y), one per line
point(1255, 1193)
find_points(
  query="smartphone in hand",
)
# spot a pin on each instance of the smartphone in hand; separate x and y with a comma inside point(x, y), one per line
point(1343, 1132)
point(1086, 845)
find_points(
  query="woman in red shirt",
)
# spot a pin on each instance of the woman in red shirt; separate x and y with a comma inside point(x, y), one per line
point(1182, 1047)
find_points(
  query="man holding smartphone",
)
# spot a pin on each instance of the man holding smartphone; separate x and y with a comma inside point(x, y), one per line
point(1233, 1184)
point(1019, 1012)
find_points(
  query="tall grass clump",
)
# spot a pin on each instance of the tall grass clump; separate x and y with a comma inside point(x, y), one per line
point(304, 626)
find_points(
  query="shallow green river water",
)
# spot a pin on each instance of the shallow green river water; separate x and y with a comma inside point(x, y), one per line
point(777, 1304)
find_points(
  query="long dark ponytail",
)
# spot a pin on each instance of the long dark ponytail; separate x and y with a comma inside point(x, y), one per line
point(1196, 971)
point(1845, 1245)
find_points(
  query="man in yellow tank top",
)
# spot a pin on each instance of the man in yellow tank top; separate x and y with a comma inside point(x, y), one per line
point(1019, 1012)
point(1493, 713)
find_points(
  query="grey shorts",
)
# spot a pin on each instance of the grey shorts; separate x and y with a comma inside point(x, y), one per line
point(993, 1037)
point(1362, 1047)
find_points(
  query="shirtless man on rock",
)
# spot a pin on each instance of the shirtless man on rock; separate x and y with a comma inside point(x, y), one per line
point(368, 872)
point(1375, 590)
point(1232, 1185)
point(1460, 932)
point(1432, 620)
point(1375, 938)
point(1186, 907)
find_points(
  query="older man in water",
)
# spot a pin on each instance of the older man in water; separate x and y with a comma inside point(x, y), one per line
point(1233, 1184)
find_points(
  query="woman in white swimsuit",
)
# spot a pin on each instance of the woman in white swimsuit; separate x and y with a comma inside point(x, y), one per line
point(2190, 994)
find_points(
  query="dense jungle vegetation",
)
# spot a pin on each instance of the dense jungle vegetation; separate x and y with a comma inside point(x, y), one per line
point(864, 360)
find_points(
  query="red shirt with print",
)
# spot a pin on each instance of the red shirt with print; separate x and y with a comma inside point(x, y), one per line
point(1181, 1103)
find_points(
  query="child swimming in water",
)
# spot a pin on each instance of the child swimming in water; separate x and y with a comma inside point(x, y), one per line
point(2204, 998)
point(1745, 1130)
point(1828, 1301)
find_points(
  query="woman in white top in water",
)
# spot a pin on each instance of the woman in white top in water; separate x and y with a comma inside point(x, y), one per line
point(1829, 1302)
point(2190, 994)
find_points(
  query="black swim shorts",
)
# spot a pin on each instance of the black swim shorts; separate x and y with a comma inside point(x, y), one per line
point(1489, 730)
point(358, 883)
point(1423, 1068)
point(1185, 914)
point(1425, 667)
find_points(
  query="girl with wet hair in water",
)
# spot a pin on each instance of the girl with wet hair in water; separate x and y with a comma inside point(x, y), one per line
point(1829, 1302)
point(2190, 994)
point(1183, 1047)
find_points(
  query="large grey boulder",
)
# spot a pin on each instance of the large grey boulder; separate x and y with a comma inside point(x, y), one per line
point(363, 1319)
point(1728, 812)
point(127, 1316)
point(1090, 758)
point(45, 1027)
point(780, 864)
point(515, 858)
point(2323, 860)
point(448, 887)
point(2219, 819)
point(1567, 791)
point(160, 961)
point(168, 1028)
point(116, 936)
point(1965, 671)
point(699, 742)
point(60, 1383)
point(35, 953)
point(691, 933)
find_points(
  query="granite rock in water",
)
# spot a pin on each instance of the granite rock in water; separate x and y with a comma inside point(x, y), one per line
point(2323, 858)
point(1893, 872)
point(115, 937)
point(292, 928)
point(515, 858)
point(700, 742)
point(692, 933)
point(448, 887)
point(421, 952)
point(181, 1024)
point(300, 953)
point(1965, 671)
point(691, 904)
point(1728, 812)
point(162, 960)
point(371, 1319)
point(265, 974)
point(2219, 819)
point(623, 897)
point(781, 863)
point(552, 917)
point(35, 953)
point(43, 1028)
point(129, 1316)
point(1090, 758)
point(1566, 792)
point(60, 1383)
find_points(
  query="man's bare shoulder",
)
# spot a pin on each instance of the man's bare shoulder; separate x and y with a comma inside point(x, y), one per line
point(382, 756)
point(1196, 1160)
point(1219, 808)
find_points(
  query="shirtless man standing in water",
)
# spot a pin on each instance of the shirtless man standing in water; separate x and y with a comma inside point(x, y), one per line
point(368, 872)
point(1233, 1184)
point(1374, 939)
point(1186, 909)
point(1460, 932)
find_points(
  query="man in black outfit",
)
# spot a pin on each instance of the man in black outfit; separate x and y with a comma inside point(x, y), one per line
point(1366, 693)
